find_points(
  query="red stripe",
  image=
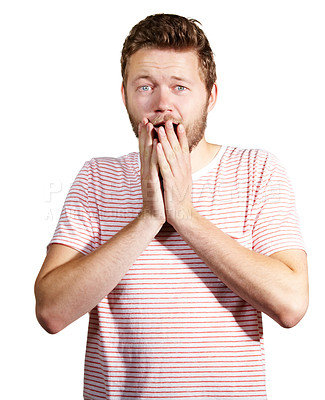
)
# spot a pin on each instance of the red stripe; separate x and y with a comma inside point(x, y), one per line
point(189, 301)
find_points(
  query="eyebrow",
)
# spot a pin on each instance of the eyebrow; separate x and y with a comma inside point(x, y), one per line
point(178, 78)
point(173, 77)
point(137, 78)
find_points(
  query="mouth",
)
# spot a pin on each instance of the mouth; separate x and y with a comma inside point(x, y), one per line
point(157, 126)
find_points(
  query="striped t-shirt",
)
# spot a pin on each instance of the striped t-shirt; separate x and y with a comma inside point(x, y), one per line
point(171, 329)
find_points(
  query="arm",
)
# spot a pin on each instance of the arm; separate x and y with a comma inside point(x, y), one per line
point(70, 284)
point(276, 285)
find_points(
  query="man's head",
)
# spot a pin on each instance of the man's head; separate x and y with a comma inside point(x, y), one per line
point(168, 31)
point(169, 74)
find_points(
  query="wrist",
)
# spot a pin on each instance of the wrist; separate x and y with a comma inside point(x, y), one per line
point(183, 219)
point(151, 221)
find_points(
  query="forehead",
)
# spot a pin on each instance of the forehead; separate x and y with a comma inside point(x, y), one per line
point(164, 63)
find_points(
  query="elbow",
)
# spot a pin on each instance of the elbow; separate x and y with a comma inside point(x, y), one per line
point(50, 323)
point(292, 313)
point(46, 313)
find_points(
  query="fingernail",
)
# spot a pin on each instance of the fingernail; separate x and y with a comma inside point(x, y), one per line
point(161, 131)
point(169, 125)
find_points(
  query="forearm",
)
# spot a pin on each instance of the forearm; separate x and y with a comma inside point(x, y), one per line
point(74, 288)
point(276, 284)
point(265, 282)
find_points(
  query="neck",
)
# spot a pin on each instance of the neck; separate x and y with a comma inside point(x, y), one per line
point(203, 154)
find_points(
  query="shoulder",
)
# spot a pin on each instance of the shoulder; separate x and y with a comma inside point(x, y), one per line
point(102, 172)
point(113, 166)
point(125, 161)
point(257, 168)
point(237, 154)
point(250, 160)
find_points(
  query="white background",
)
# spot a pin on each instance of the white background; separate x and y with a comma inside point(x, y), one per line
point(60, 105)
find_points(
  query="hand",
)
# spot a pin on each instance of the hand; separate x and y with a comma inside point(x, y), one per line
point(175, 166)
point(153, 202)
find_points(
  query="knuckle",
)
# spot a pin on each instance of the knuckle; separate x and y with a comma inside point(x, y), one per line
point(165, 167)
point(171, 156)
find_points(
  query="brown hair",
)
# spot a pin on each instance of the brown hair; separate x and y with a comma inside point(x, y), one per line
point(169, 31)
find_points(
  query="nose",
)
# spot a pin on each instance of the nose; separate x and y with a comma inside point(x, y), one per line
point(163, 100)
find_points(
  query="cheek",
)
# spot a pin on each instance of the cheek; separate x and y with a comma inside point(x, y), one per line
point(140, 105)
point(188, 109)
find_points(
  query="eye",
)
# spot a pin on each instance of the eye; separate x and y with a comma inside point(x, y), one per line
point(180, 88)
point(145, 88)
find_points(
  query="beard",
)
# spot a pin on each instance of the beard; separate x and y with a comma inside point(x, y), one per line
point(194, 130)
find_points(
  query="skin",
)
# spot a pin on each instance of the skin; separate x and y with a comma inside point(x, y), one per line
point(167, 85)
point(71, 284)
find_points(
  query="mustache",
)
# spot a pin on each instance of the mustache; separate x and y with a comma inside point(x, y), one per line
point(160, 121)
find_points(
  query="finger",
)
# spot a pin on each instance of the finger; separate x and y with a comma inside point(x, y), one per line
point(156, 163)
point(154, 159)
point(164, 166)
point(174, 156)
point(141, 140)
point(150, 132)
point(171, 156)
point(141, 134)
point(145, 140)
point(168, 150)
point(172, 138)
point(182, 138)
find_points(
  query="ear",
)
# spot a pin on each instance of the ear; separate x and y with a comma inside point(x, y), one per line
point(213, 97)
point(123, 94)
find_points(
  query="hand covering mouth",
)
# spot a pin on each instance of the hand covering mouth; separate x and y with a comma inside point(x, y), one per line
point(163, 124)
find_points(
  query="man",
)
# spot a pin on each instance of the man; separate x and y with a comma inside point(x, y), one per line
point(177, 250)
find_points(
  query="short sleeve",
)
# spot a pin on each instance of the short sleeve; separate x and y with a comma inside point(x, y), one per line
point(275, 221)
point(74, 228)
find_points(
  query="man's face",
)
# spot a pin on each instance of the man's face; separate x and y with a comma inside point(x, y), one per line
point(167, 85)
